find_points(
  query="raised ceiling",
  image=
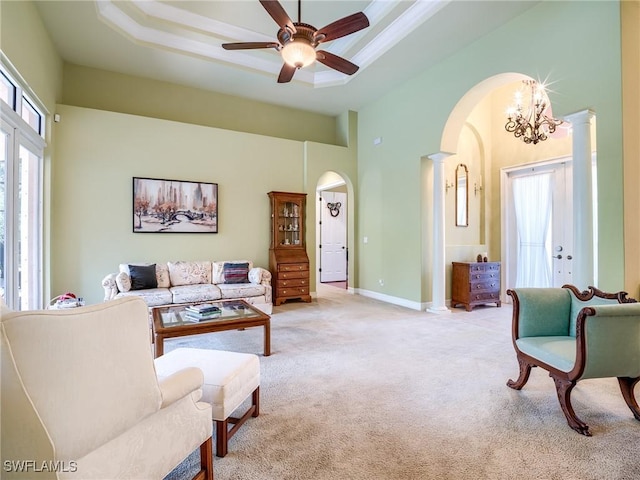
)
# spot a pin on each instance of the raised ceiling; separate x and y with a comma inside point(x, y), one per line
point(179, 42)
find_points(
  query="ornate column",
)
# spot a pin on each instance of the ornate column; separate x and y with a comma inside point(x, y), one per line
point(438, 291)
point(584, 254)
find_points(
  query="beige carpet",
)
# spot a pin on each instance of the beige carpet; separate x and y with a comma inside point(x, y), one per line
point(360, 389)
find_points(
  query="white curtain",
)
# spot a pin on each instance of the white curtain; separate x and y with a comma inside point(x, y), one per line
point(532, 200)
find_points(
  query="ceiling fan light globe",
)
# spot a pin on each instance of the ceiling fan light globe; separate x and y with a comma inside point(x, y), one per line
point(298, 53)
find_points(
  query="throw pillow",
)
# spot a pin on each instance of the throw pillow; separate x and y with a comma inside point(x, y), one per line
point(217, 275)
point(189, 273)
point(123, 282)
point(143, 276)
point(162, 274)
point(236, 273)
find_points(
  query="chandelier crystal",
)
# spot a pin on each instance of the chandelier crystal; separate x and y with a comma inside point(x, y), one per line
point(529, 122)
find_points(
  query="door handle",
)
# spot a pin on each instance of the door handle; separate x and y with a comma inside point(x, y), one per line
point(557, 256)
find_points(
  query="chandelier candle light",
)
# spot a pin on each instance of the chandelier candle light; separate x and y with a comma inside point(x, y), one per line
point(532, 125)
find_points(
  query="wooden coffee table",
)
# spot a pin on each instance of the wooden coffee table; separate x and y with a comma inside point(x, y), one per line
point(172, 321)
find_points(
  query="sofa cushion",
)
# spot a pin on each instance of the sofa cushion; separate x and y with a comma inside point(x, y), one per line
point(123, 282)
point(241, 290)
point(236, 272)
point(217, 269)
point(557, 351)
point(189, 273)
point(143, 276)
point(162, 273)
point(195, 293)
point(153, 296)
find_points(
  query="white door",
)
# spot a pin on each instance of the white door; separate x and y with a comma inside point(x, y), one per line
point(562, 238)
point(538, 240)
point(333, 237)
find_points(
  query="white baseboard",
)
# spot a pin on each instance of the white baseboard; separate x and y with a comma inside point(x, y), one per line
point(403, 302)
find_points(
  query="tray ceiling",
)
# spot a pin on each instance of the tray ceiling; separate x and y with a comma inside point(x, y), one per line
point(180, 42)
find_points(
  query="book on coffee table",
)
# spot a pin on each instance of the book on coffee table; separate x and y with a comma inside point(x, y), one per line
point(202, 316)
point(205, 308)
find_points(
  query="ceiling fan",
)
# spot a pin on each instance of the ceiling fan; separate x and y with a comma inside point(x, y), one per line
point(297, 41)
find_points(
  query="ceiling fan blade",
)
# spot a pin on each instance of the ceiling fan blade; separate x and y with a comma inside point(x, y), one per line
point(337, 63)
point(286, 74)
point(250, 45)
point(278, 13)
point(344, 26)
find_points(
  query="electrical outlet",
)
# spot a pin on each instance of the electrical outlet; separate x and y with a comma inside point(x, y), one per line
point(381, 282)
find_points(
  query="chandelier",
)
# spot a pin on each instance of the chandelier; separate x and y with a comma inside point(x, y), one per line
point(530, 122)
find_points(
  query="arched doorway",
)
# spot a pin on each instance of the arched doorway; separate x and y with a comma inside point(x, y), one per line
point(482, 112)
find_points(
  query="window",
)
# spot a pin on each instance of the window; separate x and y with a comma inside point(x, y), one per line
point(21, 187)
point(7, 91)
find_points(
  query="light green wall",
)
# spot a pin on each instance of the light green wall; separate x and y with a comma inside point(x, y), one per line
point(320, 159)
point(24, 40)
point(98, 153)
point(26, 44)
point(411, 118)
point(93, 88)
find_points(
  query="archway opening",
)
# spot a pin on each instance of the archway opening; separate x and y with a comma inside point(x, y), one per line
point(332, 238)
point(475, 132)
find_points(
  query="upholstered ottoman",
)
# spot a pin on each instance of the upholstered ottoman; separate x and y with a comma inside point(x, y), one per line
point(229, 379)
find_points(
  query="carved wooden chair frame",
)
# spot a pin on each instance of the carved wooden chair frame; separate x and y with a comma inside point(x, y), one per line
point(565, 381)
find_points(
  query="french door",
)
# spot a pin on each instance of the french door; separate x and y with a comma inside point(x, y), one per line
point(538, 224)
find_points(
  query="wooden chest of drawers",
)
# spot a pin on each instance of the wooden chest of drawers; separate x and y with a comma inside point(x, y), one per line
point(292, 281)
point(290, 276)
point(475, 283)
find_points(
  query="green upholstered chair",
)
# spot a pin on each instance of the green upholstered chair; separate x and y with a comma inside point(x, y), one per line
point(577, 335)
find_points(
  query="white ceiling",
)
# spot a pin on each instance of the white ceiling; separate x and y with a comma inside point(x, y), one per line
point(179, 42)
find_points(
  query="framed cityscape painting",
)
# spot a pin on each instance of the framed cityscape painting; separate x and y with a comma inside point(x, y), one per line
point(174, 206)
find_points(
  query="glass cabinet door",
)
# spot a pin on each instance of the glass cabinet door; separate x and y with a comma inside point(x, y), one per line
point(289, 223)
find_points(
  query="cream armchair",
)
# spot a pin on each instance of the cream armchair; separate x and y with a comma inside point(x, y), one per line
point(80, 398)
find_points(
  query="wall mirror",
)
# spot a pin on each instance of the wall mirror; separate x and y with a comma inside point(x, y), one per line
point(462, 196)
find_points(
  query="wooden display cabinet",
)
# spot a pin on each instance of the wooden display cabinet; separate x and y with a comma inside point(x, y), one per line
point(288, 260)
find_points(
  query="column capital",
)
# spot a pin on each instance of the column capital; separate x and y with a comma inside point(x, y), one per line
point(583, 116)
point(440, 156)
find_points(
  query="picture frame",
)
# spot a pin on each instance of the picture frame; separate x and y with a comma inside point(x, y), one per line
point(174, 206)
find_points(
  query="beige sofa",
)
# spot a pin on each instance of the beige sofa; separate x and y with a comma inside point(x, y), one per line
point(191, 281)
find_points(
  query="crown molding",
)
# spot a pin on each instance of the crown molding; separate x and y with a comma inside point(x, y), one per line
point(160, 14)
